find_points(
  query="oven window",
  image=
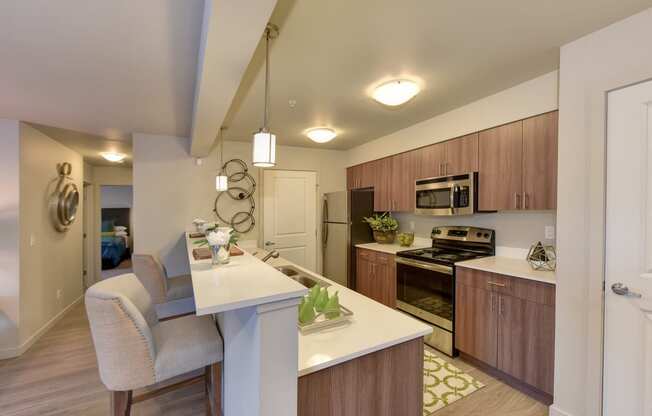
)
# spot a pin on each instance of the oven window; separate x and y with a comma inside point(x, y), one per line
point(429, 291)
point(434, 198)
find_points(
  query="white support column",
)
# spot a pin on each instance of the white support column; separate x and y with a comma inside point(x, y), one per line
point(260, 359)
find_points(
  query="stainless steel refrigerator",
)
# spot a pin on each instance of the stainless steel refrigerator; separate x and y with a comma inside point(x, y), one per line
point(342, 229)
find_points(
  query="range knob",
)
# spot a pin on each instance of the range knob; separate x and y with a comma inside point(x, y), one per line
point(478, 235)
point(486, 235)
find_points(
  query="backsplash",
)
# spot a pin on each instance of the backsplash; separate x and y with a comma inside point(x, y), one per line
point(515, 231)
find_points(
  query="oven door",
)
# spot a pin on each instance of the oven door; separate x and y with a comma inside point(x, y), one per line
point(426, 290)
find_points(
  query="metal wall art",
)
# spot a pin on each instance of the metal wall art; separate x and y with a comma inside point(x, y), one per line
point(542, 257)
point(241, 188)
point(64, 201)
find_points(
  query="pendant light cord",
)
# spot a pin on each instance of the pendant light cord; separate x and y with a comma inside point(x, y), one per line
point(266, 116)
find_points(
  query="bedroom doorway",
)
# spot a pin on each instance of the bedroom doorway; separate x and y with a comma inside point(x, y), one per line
point(116, 242)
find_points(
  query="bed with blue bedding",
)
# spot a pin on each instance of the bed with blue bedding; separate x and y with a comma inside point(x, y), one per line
point(115, 246)
point(114, 250)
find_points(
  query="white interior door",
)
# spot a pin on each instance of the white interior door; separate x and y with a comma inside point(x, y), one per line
point(628, 270)
point(290, 215)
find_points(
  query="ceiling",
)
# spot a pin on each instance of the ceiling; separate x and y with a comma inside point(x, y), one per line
point(90, 73)
point(331, 53)
point(107, 68)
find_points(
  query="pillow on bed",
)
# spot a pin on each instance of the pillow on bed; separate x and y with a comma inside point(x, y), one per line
point(107, 225)
point(108, 234)
point(119, 228)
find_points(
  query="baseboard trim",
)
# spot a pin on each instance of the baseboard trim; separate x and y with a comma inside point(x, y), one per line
point(22, 348)
point(555, 411)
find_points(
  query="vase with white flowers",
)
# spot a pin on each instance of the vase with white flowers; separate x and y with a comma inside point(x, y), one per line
point(219, 241)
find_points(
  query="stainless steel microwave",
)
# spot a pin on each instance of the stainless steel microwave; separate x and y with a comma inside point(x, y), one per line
point(447, 195)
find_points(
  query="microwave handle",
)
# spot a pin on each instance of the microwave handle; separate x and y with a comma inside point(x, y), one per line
point(454, 190)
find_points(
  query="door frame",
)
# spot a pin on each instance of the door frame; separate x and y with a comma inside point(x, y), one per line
point(319, 198)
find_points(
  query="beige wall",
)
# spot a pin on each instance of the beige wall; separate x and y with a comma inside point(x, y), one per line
point(530, 98)
point(9, 237)
point(53, 262)
point(611, 58)
point(112, 175)
point(170, 189)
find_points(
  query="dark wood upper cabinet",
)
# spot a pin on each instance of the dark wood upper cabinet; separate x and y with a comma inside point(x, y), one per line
point(461, 155)
point(383, 184)
point(501, 168)
point(540, 161)
point(430, 161)
point(360, 176)
point(403, 177)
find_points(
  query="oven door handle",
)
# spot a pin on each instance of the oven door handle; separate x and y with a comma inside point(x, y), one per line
point(424, 265)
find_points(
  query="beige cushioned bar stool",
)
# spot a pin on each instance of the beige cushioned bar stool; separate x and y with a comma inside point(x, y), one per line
point(134, 350)
point(171, 295)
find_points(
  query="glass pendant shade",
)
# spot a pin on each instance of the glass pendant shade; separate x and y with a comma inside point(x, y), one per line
point(264, 152)
point(221, 182)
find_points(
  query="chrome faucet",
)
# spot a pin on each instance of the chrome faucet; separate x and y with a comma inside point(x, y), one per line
point(271, 255)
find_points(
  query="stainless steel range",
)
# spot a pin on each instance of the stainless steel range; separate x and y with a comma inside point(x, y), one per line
point(426, 278)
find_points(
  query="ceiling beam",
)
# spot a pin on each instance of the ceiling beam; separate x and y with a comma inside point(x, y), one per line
point(231, 31)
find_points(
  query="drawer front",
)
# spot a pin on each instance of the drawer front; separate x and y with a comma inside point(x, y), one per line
point(368, 255)
point(473, 278)
point(530, 290)
point(384, 259)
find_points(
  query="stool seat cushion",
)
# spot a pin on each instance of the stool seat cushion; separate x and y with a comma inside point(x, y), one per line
point(186, 344)
point(179, 287)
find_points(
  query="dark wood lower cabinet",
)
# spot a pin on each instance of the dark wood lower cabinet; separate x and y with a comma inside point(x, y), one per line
point(376, 276)
point(384, 383)
point(508, 324)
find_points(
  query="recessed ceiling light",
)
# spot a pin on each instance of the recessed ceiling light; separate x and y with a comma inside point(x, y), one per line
point(396, 92)
point(321, 134)
point(113, 156)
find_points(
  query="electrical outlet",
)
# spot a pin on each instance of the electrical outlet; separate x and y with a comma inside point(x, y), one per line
point(411, 225)
point(59, 294)
point(32, 240)
point(550, 232)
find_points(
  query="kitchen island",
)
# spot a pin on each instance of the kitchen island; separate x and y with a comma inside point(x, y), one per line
point(371, 365)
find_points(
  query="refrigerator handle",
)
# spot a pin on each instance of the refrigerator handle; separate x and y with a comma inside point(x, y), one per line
point(324, 234)
point(324, 213)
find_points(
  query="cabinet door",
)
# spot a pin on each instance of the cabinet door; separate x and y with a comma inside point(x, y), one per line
point(367, 175)
point(462, 155)
point(526, 341)
point(383, 184)
point(364, 279)
point(476, 323)
point(353, 176)
point(430, 161)
point(402, 194)
point(385, 279)
point(501, 168)
point(540, 162)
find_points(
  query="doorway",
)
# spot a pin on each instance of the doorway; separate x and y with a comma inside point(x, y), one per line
point(290, 215)
point(628, 259)
point(116, 241)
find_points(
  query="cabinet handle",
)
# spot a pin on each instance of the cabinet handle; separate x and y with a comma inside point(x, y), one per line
point(445, 168)
point(496, 284)
point(517, 200)
point(526, 200)
point(493, 301)
point(501, 308)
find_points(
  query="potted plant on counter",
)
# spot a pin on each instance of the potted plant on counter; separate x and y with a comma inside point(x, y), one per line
point(384, 227)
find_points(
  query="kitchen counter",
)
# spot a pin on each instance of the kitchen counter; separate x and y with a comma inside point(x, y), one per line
point(395, 247)
point(510, 267)
point(373, 327)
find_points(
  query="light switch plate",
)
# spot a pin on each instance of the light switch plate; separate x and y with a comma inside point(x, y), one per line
point(32, 240)
point(550, 232)
point(411, 225)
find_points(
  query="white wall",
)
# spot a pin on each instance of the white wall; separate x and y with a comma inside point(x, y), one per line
point(54, 261)
point(530, 98)
point(170, 189)
point(112, 175)
point(116, 196)
point(9, 237)
point(608, 59)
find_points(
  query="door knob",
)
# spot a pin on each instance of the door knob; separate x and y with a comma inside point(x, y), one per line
point(269, 243)
point(622, 290)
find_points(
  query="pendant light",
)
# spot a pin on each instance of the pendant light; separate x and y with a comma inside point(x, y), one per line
point(264, 146)
point(221, 180)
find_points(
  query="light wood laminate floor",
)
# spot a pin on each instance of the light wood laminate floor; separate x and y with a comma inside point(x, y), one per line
point(58, 376)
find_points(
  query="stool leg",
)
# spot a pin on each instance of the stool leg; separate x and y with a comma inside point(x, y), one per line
point(121, 403)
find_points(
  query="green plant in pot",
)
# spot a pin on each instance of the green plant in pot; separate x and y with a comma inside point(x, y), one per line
point(384, 227)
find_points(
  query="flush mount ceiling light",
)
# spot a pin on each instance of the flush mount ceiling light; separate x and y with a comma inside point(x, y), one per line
point(264, 146)
point(221, 180)
point(113, 156)
point(395, 92)
point(321, 134)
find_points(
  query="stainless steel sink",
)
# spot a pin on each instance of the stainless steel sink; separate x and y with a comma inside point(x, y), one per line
point(300, 277)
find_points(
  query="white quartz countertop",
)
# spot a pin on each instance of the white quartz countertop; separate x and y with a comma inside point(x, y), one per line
point(245, 281)
point(373, 327)
point(510, 267)
point(395, 248)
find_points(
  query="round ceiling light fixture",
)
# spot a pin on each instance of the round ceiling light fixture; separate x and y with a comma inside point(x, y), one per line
point(114, 157)
point(321, 134)
point(396, 92)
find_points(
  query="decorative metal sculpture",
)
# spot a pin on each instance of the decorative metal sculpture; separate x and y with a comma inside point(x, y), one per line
point(542, 257)
point(64, 201)
point(242, 221)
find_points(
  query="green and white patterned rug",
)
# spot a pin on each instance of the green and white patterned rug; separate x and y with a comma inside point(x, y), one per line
point(443, 383)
